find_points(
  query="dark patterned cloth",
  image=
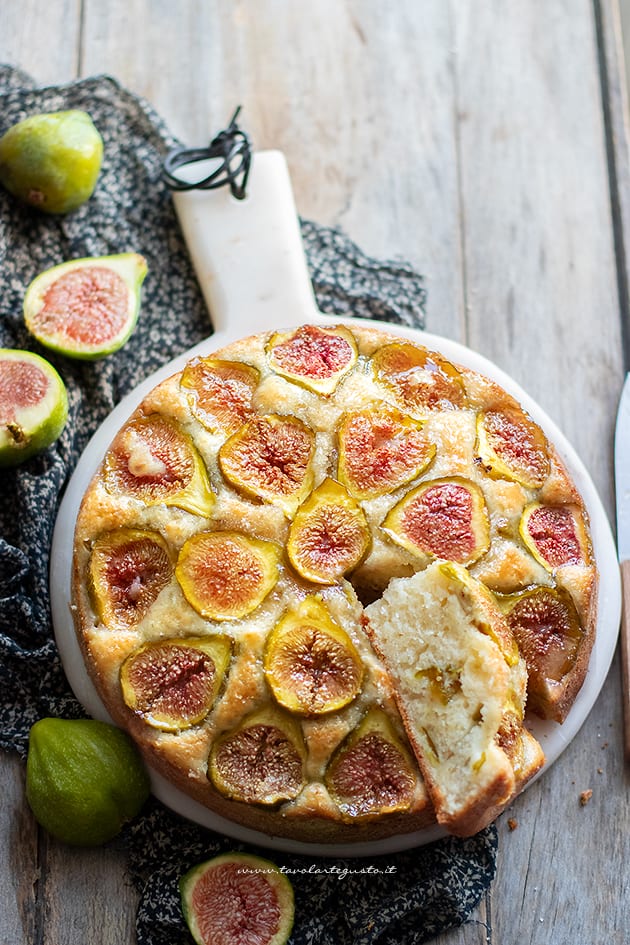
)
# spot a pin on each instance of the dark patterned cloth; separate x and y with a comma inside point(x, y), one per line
point(405, 898)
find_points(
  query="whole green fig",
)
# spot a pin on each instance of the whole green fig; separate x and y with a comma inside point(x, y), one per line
point(84, 779)
point(52, 161)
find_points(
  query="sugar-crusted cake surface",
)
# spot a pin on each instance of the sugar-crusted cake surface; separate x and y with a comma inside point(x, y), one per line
point(352, 443)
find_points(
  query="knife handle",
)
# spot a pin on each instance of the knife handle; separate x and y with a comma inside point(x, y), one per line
point(625, 655)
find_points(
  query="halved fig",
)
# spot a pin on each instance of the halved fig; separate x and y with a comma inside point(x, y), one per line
point(33, 405)
point(226, 575)
point(311, 664)
point(316, 358)
point(261, 761)
point(511, 446)
point(420, 379)
point(172, 684)
point(555, 535)
point(237, 899)
point(220, 392)
point(381, 449)
point(152, 459)
point(86, 308)
point(442, 518)
point(128, 569)
point(270, 458)
point(546, 626)
point(329, 535)
point(372, 771)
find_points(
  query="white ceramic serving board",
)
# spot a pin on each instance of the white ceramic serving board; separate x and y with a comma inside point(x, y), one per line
point(250, 263)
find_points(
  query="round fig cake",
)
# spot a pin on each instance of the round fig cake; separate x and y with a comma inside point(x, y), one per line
point(319, 574)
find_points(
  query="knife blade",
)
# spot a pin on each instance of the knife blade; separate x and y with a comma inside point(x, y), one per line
point(622, 495)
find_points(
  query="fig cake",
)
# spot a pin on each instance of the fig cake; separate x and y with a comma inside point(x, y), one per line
point(320, 574)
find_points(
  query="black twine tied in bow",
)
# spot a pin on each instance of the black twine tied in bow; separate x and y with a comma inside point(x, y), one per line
point(231, 147)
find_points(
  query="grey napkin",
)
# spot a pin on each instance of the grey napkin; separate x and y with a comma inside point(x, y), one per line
point(406, 898)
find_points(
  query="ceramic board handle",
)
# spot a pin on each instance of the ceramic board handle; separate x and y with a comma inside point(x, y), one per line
point(248, 254)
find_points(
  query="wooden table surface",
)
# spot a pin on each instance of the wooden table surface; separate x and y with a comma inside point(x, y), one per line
point(484, 141)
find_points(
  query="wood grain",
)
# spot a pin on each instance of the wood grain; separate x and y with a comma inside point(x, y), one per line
point(87, 897)
point(363, 110)
point(19, 859)
point(535, 189)
point(43, 39)
point(471, 139)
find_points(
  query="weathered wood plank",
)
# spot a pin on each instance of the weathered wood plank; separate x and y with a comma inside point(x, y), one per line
point(41, 38)
point(541, 301)
point(362, 109)
point(19, 860)
point(87, 897)
point(610, 21)
point(539, 255)
point(550, 878)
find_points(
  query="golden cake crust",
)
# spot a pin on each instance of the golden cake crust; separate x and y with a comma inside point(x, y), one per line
point(456, 423)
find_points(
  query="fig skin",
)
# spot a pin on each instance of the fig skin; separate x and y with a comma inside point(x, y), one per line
point(555, 535)
point(270, 459)
point(52, 161)
point(310, 662)
point(86, 308)
point(262, 760)
point(379, 450)
point(511, 446)
point(329, 535)
point(141, 560)
point(220, 392)
point(421, 380)
point(361, 792)
point(226, 575)
point(27, 425)
point(424, 519)
point(235, 896)
point(153, 460)
point(203, 663)
point(313, 357)
point(84, 779)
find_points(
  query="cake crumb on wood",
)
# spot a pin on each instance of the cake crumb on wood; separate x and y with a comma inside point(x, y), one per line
point(585, 797)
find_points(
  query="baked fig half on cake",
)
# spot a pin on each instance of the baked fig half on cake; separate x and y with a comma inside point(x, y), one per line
point(323, 576)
